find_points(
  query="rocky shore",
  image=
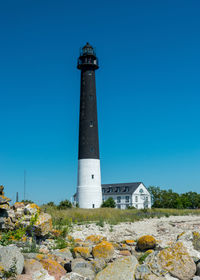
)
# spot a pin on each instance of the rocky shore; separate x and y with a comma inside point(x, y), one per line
point(153, 249)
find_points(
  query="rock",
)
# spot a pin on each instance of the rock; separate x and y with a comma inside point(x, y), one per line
point(65, 254)
point(42, 275)
point(141, 272)
point(74, 276)
point(125, 253)
point(98, 264)
point(121, 269)
point(53, 268)
point(95, 239)
point(175, 260)
point(43, 224)
point(31, 209)
point(82, 252)
point(196, 278)
point(196, 240)
point(31, 266)
point(83, 268)
point(24, 277)
point(130, 242)
point(152, 277)
point(18, 205)
point(103, 250)
point(198, 269)
point(146, 242)
point(10, 256)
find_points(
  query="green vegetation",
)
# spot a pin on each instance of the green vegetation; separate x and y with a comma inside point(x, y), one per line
point(110, 203)
point(112, 216)
point(64, 204)
point(170, 199)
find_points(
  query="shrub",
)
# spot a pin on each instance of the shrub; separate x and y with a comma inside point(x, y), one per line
point(64, 204)
point(109, 203)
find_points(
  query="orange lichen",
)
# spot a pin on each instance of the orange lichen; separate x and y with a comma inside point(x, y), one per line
point(103, 250)
point(40, 257)
point(96, 238)
point(82, 251)
point(130, 242)
point(53, 268)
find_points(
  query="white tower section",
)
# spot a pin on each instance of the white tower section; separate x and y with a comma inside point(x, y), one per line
point(89, 193)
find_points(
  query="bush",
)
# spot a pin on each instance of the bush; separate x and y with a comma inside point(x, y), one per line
point(64, 204)
point(109, 203)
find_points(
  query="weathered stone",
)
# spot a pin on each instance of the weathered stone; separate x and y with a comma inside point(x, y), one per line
point(95, 239)
point(83, 268)
point(42, 275)
point(198, 269)
point(125, 253)
point(103, 250)
point(196, 240)
point(175, 260)
point(196, 278)
point(152, 277)
point(32, 209)
point(74, 276)
point(53, 268)
point(130, 242)
point(24, 277)
point(98, 264)
point(141, 272)
point(43, 224)
point(121, 269)
point(31, 266)
point(82, 252)
point(65, 254)
point(10, 256)
point(146, 242)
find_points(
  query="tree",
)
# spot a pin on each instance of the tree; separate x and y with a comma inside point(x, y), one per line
point(65, 204)
point(110, 203)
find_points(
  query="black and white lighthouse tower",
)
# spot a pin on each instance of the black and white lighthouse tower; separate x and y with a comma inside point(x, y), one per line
point(89, 193)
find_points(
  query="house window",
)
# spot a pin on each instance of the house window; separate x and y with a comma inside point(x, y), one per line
point(136, 198)
point(127, 189)
point(127, 198)
point(118, 189)
point(92, 149)
point(91, 124)
point(141, 191)
point(118, 199)
point(136, 206)
point(91, 97)
point(92, 176)
point(119, 206)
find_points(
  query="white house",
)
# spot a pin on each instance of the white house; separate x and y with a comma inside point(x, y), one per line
point(127, 194)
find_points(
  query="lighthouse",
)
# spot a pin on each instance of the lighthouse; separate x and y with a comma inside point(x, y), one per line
point(89, 193)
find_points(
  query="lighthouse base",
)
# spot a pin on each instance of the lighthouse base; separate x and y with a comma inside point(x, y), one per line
point(89, 193)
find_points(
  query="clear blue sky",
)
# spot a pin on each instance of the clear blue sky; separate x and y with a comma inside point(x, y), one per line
point(148, 90)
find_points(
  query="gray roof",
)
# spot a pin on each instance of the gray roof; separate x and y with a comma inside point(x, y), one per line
point(122, 188)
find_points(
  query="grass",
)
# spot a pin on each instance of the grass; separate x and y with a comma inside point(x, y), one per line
point(111, 216)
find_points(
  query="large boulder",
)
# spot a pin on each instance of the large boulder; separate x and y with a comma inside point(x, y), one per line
point(11, 258)
point(53, 268)
point(174, 260)
point(146, 242)
point(198, 269)
point(43, 224)
point(31, 266)
point(83, 252)
point(103, 250)
point(83, 268)
point(121, 269)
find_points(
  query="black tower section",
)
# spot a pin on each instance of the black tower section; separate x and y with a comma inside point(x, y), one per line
point(88, 125)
